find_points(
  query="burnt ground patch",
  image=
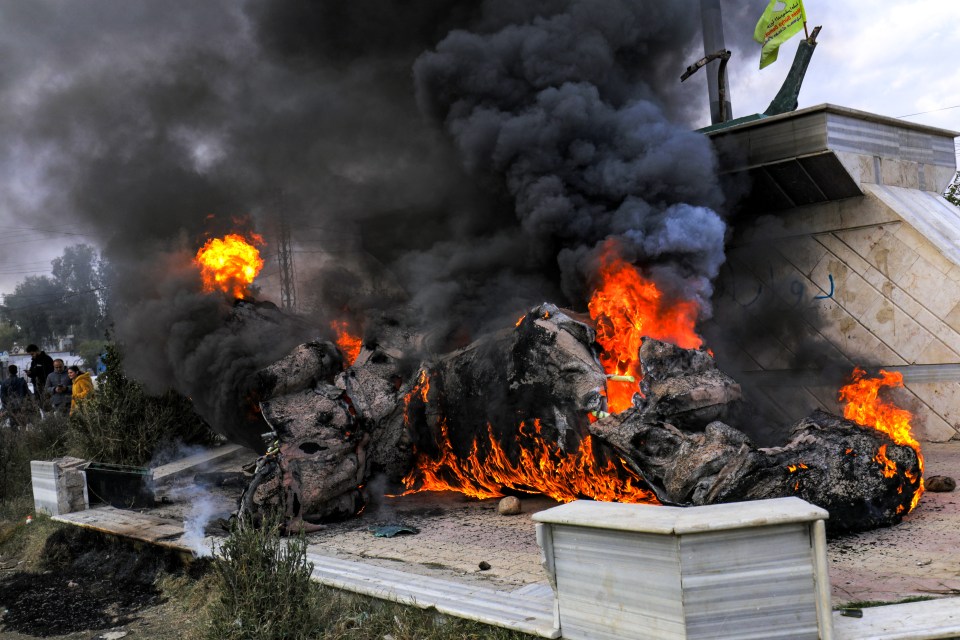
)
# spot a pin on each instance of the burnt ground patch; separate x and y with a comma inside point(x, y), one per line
point(88, 581)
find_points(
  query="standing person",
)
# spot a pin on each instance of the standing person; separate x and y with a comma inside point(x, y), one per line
point(15, 397)
point(58, 388)
point(41, 365)
point(82, 385)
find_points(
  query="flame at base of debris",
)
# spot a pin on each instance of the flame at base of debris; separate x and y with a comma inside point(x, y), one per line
point(540, 469)
point(627, 308)
point(865, 407)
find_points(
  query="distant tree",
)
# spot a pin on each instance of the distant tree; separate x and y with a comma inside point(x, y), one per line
point(8, 335)
point(79, 271)
point(953, 191)
point(36, 309)
point(69, 301)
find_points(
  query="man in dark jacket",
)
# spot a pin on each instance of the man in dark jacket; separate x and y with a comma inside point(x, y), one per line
point(41, 365)
point(14, 395)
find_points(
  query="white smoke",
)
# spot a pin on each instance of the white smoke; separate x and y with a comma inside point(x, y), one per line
point(202, 510)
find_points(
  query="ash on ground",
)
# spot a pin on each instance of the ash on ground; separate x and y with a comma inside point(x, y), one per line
point(88, 582)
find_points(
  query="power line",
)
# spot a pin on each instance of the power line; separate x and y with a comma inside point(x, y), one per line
point(920, 113)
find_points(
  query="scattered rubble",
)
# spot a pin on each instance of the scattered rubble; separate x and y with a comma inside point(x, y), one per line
point(509, 506)
point(940, 484)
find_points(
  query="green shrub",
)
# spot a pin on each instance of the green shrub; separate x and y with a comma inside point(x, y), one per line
point(42, 440)
point(264, 585)
point(122, 424)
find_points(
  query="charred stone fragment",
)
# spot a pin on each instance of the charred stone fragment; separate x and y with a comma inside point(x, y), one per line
point(858, 474)
point(684, 387)
point(304, 367)
point(322, 461)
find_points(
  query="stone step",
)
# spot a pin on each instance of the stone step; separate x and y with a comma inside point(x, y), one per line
point(520, 610)
point(923, 620)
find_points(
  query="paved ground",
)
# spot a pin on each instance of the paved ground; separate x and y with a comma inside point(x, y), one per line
point(920, 556)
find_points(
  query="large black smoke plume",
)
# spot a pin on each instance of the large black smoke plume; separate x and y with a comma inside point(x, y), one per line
point(457, 161)
point(564, 107)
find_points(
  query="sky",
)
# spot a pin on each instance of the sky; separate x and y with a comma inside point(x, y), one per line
point(894, 59)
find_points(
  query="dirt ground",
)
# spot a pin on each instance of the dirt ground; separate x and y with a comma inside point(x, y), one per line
point(94, 586)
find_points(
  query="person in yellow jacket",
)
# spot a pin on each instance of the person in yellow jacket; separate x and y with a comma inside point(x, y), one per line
point(82, 385)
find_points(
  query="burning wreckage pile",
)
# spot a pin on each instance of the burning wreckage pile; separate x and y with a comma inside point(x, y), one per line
point(623, 406)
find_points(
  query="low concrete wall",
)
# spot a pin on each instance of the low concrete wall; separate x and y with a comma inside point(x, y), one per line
point(742, 570)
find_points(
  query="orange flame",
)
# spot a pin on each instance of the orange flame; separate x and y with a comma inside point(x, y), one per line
point(627, 307)
point(541, 467)
point(229, 264)
point(349, 344)
point(865, 406)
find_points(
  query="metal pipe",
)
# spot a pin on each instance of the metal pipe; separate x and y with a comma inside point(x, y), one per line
point(721, 109)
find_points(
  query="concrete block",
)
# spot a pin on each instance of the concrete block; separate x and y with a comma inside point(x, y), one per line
point(59, 486)
point(852, 339)
point(867, 211)
point(916, 241)
point(939, 178)
point(906, 301)
point(878, 281)
point(850, 290)
point(197, 462)
point(741, 570)
point(943, 398)
point(858, 165)
point(900, 173)
point(939, 329)
point(803, 253)
point(930, 427)
point(43, 475)
point(938, 353)
point(952, 319)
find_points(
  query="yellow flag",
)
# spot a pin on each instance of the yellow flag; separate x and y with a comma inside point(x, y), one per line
point(781, 21)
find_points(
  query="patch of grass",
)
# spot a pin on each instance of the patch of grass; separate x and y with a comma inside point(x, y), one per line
point(262, 589)
point(26, 542)
point(346, 616)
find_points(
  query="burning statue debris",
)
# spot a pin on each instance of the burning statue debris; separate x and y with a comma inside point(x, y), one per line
point(514, 412)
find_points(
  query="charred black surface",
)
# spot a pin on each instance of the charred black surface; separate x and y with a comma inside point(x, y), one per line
point(89, 582)
point(684, 387)
point(543, 372)
point(828, 461)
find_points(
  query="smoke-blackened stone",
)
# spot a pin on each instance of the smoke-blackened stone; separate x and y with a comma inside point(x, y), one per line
point(831, 462)
point(684, 386)
point(322, 461)
point(305, 366)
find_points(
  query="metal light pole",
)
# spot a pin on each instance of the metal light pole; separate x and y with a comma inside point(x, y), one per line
point(713, 42)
